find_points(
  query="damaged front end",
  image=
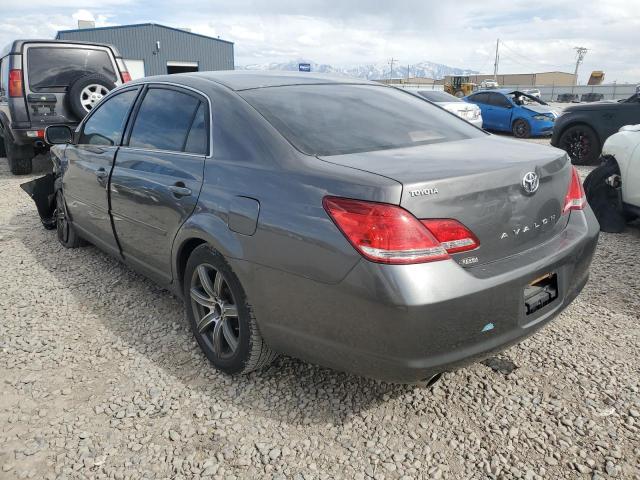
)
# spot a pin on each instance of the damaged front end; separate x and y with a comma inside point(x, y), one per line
point(43, 190)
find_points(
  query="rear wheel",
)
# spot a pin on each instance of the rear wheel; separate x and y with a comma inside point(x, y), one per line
point(219, 315)
point(521, 129)
point(3, 151)
point(581, 143)
point(18, 156)
point(67, 235)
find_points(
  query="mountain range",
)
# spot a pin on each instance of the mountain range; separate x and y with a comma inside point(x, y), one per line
point(371, 71)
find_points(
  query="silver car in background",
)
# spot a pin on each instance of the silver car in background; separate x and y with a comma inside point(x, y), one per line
point(470, 113)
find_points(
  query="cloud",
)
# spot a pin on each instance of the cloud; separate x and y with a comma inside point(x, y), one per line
point(536, 36)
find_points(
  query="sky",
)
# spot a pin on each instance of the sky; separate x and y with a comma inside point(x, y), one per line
point(535, 36)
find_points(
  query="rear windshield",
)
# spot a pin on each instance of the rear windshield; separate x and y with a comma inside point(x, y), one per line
point(436, 96)
point(53, 69)
point(339, 119)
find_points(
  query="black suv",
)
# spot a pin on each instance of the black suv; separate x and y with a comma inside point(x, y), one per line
point(582, 129)
point(49, 81)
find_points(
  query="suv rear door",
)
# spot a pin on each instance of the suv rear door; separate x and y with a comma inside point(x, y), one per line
point(50, 68)
point(90, 160)
point(158, 174)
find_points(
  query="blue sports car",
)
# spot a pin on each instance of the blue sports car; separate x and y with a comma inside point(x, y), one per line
point(514, 111)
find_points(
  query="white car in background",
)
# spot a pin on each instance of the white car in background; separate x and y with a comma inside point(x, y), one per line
point(467, 111)
point(487, 84)
point(613, 189)
point(534, 92)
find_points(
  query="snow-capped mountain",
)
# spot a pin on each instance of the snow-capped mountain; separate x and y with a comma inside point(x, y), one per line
point(368, 71)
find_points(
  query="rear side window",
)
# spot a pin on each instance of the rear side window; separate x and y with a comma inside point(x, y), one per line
point(164, 120)
point(4, 74)
point(480, 98)
point(105, 125)
point(197, 138)
point(53, 69)
point(498, 100)
point(339, 119)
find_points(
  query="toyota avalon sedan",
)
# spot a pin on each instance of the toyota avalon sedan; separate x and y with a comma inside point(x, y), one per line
point(294, 217)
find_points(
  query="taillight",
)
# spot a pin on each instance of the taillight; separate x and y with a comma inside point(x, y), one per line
point(389, 234)
point(125, 77)
point(575, 198)
point(15, 83)
point(452, 235)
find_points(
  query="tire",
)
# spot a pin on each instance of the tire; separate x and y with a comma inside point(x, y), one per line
point(85, 92)
point(604, 199)
point(232, 342)
point(67, 235)
point(581, 143)
point(521, 129)
point(18, 156)
point(3, 151)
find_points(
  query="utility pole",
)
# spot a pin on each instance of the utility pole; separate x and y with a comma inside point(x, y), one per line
point(391, 62)
point(495, 65)
point(580, 53)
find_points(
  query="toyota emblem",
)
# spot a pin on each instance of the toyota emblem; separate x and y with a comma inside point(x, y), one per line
point(530, 182)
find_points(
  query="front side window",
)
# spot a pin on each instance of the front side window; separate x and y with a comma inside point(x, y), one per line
point(53, 69)
point(164, 121)
point(106, 123)
point(338, 119)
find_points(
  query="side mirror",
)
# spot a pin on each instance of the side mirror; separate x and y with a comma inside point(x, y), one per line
point(58, 135)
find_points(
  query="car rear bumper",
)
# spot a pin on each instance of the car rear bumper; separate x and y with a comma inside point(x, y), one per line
point(405, 323)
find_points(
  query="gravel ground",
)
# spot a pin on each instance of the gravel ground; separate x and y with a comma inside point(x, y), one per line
point(102, 379)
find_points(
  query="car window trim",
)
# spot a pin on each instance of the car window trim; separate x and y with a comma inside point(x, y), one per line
point(116, 91)
point(180, 88)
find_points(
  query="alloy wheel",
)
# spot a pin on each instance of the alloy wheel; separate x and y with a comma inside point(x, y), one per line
point(91, 95)
point(577, 144)
point(215, 311)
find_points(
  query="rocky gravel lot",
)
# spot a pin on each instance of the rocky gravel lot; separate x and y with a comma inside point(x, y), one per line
point(101, 378)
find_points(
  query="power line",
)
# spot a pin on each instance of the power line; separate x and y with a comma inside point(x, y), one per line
point(580, 53)
point(391, 62)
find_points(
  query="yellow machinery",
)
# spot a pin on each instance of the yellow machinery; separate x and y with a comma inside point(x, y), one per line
point(459, 86)
point(596, 78)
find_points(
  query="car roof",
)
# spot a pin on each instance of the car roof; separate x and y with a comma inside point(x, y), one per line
point(246, 79)
point(15, 47)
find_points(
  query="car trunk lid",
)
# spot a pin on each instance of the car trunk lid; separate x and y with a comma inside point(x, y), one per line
point(479, 182)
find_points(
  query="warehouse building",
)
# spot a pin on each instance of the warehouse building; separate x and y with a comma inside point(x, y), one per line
point(559, 79)
point(152, 49)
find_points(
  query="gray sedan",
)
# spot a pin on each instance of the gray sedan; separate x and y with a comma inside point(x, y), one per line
point(294, 217)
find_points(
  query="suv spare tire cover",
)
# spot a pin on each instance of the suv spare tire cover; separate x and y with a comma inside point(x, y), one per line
point(74, 92)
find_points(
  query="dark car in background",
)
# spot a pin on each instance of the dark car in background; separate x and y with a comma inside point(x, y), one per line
point(44, 82)
point(582, 129)
point(294, 217)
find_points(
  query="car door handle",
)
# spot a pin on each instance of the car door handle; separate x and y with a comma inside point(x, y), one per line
point(180, 190)
point(101, 173)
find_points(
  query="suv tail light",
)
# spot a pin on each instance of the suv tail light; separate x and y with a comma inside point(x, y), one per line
point(575, 198)
point(389, 234)
point(15, 83)
point(125, 76)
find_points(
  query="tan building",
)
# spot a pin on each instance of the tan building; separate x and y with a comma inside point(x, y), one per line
point(409, 80)
point(526, 79)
